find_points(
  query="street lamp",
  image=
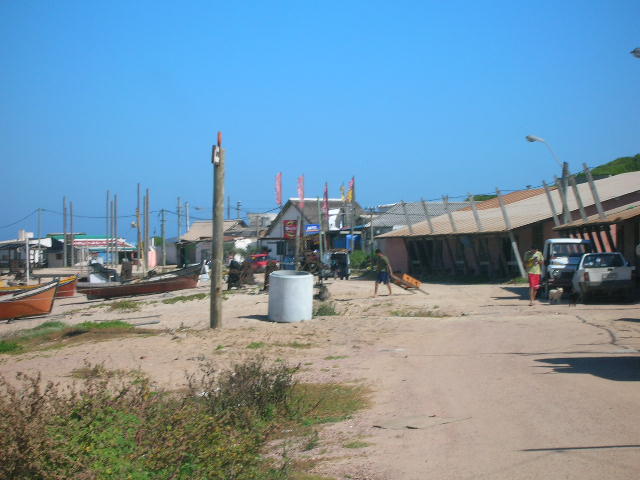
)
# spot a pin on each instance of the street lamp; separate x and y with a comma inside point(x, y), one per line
point(564, 184)
point(533, 138)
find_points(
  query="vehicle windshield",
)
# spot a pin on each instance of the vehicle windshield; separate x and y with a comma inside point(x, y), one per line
point(570, 249)
point(602, 260)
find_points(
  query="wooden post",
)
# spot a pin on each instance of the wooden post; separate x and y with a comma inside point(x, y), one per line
point(164, 239)
point(566, 215)
point(115, 227)
point(179, 212)
point(512, 238)
point(554, 214)
point(371, 230)
point(108, 229)
point(445, 201)
point(574, 187)
point(64, 231)
point(217, 237)
point(594, 191)
point(472, 200)
point(406, 216)
point(147, 222)
point(71, 236)
point(426, 214)
point(139, 253)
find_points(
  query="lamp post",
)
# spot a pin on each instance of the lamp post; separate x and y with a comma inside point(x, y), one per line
point(564, 181)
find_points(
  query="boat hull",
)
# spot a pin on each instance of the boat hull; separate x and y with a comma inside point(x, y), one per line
point(67, 287)
point(140, 288)
point(29, 303)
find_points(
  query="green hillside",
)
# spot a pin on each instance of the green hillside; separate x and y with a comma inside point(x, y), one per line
point(616, 167)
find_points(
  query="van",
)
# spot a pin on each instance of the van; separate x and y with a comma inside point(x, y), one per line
point(561, 259)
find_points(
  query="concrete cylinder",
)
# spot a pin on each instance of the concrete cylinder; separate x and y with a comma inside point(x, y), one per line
point(290, 296)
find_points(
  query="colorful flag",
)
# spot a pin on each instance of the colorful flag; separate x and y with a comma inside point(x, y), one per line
point(279, 189)
point(342, 192)
point(301, 191)
point(351, 196)
point(325, 200)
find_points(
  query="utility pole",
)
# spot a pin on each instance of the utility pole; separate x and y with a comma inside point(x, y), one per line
point(72, 237)
point(39, 224)
point(179, 219)
point(238, 205)
point(228, 207)
point(217, 237)
point(106, 246)
point(187, 222)
point(147, 243)
point(64, 231)
point(371, 229)
point(139, 254)
point(115, 226)
point(164, 238)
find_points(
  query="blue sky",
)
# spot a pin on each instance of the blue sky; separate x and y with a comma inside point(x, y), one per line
point(413, 98)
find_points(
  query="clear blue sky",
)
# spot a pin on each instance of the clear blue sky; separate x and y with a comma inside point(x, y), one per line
point(415, 99)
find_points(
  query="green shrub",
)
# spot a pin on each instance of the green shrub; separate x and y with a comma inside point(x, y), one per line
point(361, 259)
point(7, 346)
point(325, 309)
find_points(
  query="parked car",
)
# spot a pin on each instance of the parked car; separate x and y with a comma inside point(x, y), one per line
point(259, 261)
point(605, 273)
point(561, 258)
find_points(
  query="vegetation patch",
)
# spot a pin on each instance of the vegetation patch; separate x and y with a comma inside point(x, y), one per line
point(124, 306)
point(99, 371)
point(256, 345)
point(356, 444)
point(325, 309)
point(335, 357)
point(329, 403)
point(423, 313)
point(58, 334)
point(185, 298)
point(295, 344)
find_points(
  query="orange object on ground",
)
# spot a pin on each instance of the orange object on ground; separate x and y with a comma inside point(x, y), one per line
point(28, 303)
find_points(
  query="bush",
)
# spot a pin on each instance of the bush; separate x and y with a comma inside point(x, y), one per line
point(361, 259)
point(109, 428)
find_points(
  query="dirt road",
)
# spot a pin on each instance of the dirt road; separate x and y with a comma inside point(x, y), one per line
point(467, 382)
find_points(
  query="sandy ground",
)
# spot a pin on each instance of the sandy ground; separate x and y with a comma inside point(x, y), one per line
point(496, 389)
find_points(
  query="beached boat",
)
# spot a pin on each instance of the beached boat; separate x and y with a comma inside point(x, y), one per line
point(167, 282)
point(28, 303)
point(66, 287)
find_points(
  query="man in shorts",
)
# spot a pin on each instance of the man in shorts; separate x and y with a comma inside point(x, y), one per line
point(533, 260)
point(383, 271)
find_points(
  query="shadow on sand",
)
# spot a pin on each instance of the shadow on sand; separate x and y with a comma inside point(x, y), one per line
point(622, 369)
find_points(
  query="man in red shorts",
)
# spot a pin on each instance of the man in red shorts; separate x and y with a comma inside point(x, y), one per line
point(533, 260)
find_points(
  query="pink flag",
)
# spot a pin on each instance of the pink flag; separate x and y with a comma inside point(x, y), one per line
point(301, 191)
point(325, 200)
point(351, 196)
point(279, 189)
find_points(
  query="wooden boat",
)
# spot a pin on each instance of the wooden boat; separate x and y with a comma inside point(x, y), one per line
point(66, 287)
point(167, 282)
point(31, 302)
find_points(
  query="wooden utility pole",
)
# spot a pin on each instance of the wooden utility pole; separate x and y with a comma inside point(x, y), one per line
point(147, 208)
point(554, 214)
point(187, 222)
point(426, 214)
point(576, 194)
point(217, 235)
point(64, 231)
point(139, 254)
point(179, 219)
point(371, 230)
point(594, 192)
point(115, 227)
point(71, 236)
point(108, 229)
point(406, 216)
point(164, 238)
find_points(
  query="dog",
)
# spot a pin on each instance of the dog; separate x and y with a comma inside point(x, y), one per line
point(555, 295)
point(574, 297)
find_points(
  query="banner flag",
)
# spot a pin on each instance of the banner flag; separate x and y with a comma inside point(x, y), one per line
point(325, 200)
point(301, 191)
point(279, 189)
point(351, 196)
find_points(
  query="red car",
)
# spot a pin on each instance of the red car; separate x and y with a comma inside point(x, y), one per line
point(259, 261)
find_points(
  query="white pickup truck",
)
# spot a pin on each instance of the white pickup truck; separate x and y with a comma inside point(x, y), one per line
point(606, 273)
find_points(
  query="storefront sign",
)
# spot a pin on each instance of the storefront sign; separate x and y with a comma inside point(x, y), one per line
point(290, 228)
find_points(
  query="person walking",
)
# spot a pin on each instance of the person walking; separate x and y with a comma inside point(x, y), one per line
point(533, 260)
point(383, 271)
